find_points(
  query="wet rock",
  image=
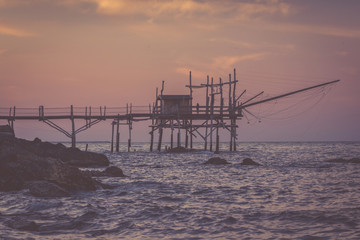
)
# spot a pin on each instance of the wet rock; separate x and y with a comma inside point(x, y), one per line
point(6, 132)
point(108, 172)
point(177, 150)
point(22, 224)
point(18, 165)
point(341, 160)
point(72, 156)
point(250, 162)
point(216, 161)
point(114, 172)
point(46, 189)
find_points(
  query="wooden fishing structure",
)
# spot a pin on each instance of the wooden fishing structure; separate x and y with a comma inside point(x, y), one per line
point(221, 108)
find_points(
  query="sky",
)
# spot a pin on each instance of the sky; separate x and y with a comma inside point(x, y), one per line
point(58, 53)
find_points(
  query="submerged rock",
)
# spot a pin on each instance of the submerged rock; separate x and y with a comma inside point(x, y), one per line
point(22, 224)
point(341, 160)
point(108, 172)
point(216, 161)
point(250, 162)
point(177, 150)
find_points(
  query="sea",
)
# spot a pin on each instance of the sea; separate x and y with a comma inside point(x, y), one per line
point(296, 194)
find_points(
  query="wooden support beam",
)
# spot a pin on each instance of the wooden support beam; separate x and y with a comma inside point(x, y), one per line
point(73, 134)
point(118, 134)
point(112, 137)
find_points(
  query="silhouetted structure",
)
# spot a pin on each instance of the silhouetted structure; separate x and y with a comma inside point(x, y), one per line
point(220, 111)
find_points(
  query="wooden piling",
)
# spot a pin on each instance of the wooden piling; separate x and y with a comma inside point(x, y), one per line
point(73, 134)
point(217, 139)
point(112, 137)
point(118, 134)
point(160, 136)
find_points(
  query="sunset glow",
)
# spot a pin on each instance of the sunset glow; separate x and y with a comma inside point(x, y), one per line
point(112, 52)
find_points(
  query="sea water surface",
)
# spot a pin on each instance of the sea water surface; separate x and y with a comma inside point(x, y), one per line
point(295, 194)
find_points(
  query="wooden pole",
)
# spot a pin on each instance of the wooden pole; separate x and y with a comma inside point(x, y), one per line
point(221, 98)
point(217, 138)
point(112, 137)
point(129, 140)
point(172, 134)
point(191, 105)
point(118, 134)
point(211, 114)
point(160, 136)
point(234, 89)
point(234, 134)
point(152, 129)
point(73, 139)
point(230, 92)
point(207, 111)
point(186, 135)
point(179, 134)
point(231, 134)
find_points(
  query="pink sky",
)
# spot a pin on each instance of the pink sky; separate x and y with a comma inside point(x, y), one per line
point(112, 52)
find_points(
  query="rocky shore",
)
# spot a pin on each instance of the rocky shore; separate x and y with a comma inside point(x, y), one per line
point(49, 170)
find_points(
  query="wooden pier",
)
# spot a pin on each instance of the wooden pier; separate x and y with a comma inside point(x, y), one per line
point(222, 107)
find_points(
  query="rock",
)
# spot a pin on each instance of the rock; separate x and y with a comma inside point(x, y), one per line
point(6, 132)
point(341, 160)
point(177, 150)
point(114, 172)
point(108, 172)
point(216, 161)
point(72, 156)
point(22, 224)
point(46, 189)
point(250, 162)
point(18, 165)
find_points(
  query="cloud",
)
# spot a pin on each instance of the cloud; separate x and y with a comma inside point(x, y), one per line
point(313, 29)
point(182, 8)
point(10, 31)
point(218, 64)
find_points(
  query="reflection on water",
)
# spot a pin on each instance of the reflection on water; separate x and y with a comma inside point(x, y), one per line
point(295, 194)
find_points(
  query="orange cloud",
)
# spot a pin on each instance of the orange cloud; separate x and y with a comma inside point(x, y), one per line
point(176, 8)
point(5, 30)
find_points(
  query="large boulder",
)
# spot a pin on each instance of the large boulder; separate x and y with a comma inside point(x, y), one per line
point(6, 132)
point(72, 156)
point(19, 166)
point(216, 161)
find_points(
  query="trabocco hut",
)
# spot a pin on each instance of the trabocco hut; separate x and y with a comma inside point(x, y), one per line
point(175, 104)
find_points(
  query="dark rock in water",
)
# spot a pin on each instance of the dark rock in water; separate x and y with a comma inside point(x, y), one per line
point(250, 162)
point(46, 189)
point(19, 164)
point(22, 224)
point(216, 161)
point(72, 156)
point(114, 172)
point(177, 150)
point(6, 132)
point(108, 172)
point(341, 160)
